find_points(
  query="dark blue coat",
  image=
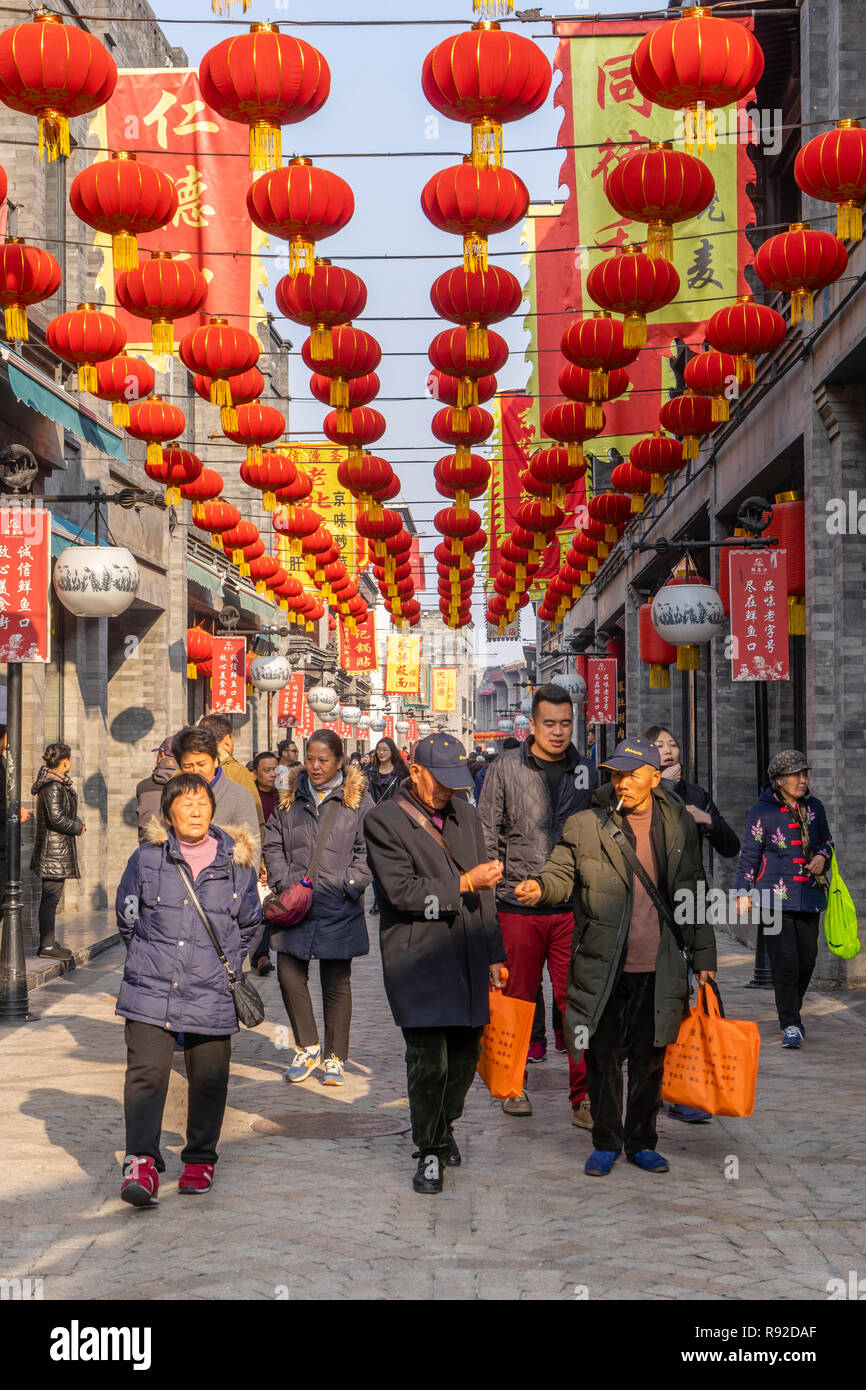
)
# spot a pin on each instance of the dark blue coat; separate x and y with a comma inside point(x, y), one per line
point(772, 857)
point(335, 927)
point(173, 976)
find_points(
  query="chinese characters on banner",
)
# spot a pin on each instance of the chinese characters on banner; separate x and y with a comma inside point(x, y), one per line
point(389, 726)
point(444, 689)
point(412, 735)
point(333, 503)
point(229, 679)
point(25, 558)
point(403, 673)
point(520, 733)
point(160, 114)
point(759, 615)
point(290, 701)
point(358, 649)
point(601, 690)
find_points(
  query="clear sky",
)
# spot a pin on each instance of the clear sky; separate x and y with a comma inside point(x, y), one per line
point(377, 110)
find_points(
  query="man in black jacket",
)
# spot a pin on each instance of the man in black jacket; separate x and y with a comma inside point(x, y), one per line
point(441, 944)
point(527, 796)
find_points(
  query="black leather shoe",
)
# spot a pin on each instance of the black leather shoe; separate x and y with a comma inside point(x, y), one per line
point(453, 1158)
point(265, 965)
point(56, 952)
point(428, 1176)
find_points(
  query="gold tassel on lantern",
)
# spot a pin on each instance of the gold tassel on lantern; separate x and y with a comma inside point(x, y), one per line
point(224, 6)
point(191, 671)
point(486, 144)
point(491, 9)
point(796, 615)
point(689, 658)
point(636, 508)
point(660, 677)
point(266, 146)
point(598, 384)
point(634, 331)
point(254, 456)
point(657, 485)
point(720, 410)
point(477, 342)
point(220, 392)
point(87, 380)
point(302, 255)
point(801, 306)
point(467, 395)
point(229, 419)
point(575, 454)
point(154, 454)
point(162, 337)
point(321, 344)
point(269, 501)
point(746, 370)
point(475, 252)
point(15, 318)
point(172, 497)
point(216, 540)
point(849, 222)
point(691, 449)
point(700, 129)
point(338, 396)
point(53, 136)
point(660, 240)
point(124, 251)
point(594, 415)
point(120, 416)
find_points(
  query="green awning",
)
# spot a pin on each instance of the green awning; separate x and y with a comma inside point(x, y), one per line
point(200, 574)
point(49, 401)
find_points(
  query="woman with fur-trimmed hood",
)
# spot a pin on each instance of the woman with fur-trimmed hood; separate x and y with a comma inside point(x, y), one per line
point(174, 982)
point(323, 807)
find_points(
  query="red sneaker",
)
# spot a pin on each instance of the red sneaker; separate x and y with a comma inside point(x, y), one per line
point(196, 1177)
point(140, 1186)
point(559, 1040)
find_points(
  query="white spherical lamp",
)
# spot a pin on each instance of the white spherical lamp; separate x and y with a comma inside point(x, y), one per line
point(96, 581)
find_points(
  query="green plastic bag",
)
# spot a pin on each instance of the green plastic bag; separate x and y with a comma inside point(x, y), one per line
point(840, 918)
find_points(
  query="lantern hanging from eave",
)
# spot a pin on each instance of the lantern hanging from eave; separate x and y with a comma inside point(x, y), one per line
point(219, 351)
point(264, 80)
point(243, 387)
point(28, 275)
point(697, 62)
point(355, 354)
point(745, 329)
point(575, 383)
point(84, 337)
point(660, 186)
point(302, 205)
point(237, 540)
point(216, 517)
point(447, 389)
point(123, 380)
point(655, 652)
point(626, 478)
point(463, 428)
point(597, 343)
point(633, 284)
point(462, 479)
point(555, 471)
point(449, 352)
point(799, 262)
point(364, 427)
point(485, 77)
point(162, 290)
point(269, 474)
point(321, 301)
point(155, 422)
point(175, 468)
point(476, 299)
point(54, 71)
point(691, 417)
point(612, 511)
point(199, 648)
point(788, 527)
point(207, 486)
point(832, 169)
point(124, 198)
point(366, 476)
point(686, 612)
point(359, 390)
point(567, 423)
point(657, 455)
point(296, 523)
point(713, 374)
point(475, 204)
point(257, 426)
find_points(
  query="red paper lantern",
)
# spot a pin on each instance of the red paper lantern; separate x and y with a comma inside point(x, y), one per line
point(264, 80)
point(28, 275)
point(302, 205)
point(457, 524)
point(269, 474)
point(124, 198)
point(155, 421)
point(297, 523)
point(698, 61)
point(660, 186)
point(584, 555)
point(122, 380)
point(485, 77)
point(219, 351)
point(745, 329)
point(257, 425)
point(296, 492)
point(474, 204)
point(597, 343)
point(355, 354)
point(199, 648)
point(54, 72)
point(366, 476)
point(175, 468)
point(788, 527)
point(575, 383)
point(555, 470)
point(330, 296)
point(262, 570)
point(450, 427)
point(162, 290)
point(611, 510)
point(799, 262)
point(713, 374)
point(216, 517)
point(633, 480)
point(540, 519)
point(689, 416)
point(447, 389)
point(568, 423)
point(657, 455)
point(243, 388)
point(207, 485)
point(475, 299)
point(832, 169)
point(360, 390)
point(462, 479)
point(634, 284)
point(364, 427)
point(449, 352)
point(655, 652)
point(84, 337)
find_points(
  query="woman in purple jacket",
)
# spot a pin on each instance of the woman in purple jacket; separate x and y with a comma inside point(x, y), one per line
point(787, 851)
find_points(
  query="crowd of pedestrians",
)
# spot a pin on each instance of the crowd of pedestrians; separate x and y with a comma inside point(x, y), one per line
point(566, 863)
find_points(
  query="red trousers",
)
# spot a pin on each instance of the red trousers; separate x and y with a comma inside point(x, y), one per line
point(529, 942)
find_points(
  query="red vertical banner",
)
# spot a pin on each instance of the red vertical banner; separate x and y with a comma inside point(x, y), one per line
point(759, 615)
point(601, 690)
point(25, 559)
point(389, 726)
point(307, 722)
point(413, 729)
point(229, 679)
point(358, 649)
point(290, 701)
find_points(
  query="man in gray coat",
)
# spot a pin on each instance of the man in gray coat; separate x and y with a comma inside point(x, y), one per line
point(196, 750)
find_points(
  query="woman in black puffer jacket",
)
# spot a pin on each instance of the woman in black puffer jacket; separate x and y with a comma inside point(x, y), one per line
point(54, 856)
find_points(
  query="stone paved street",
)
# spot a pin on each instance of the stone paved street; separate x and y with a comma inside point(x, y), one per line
point(325, 1217)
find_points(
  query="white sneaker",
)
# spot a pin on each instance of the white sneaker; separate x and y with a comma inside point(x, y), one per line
point(305, 1060)
point(333, 1072)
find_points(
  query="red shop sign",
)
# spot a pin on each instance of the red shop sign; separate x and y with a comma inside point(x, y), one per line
point(229, 678)
point(759, 615)
point(601, 690)
point(25, 558)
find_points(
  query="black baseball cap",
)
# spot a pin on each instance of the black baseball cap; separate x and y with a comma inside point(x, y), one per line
point(632, 753)
point(446, 759)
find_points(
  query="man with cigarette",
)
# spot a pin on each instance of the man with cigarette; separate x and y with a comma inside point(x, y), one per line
point(625, 860)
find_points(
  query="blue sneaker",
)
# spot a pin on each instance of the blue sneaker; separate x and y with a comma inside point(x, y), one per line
point(305, 1061)
point(600, 1162)
point(650, 1161)
point(792, 1036)
point(688, 1114)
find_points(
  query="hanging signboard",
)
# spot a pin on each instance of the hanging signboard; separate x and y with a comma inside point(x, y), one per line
point(759, 615)
point(25, 559)
point(601, 690)
point(229, 679)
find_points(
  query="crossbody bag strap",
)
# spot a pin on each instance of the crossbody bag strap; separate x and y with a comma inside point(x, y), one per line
point(325, 828)
point(205, 921)
point(616, 835)
point(417, 815)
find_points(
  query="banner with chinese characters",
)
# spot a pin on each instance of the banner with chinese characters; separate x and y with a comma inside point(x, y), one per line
point(389, 726)
point(229, 678)
point(403, 674)
point(333, 503)
point(160, 114)
point(412, 735)
point(290, 701)
point(358, 649)
point(601, 690)
point(306, 724)
point(759, 615)
point(445, 689)
point(25, 560)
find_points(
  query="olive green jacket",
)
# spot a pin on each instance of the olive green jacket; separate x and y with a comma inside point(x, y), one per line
point(588, 868)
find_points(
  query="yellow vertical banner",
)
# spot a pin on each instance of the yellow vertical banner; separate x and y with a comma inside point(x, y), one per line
point(333, 503)
point(445, 689)
point(403, 671)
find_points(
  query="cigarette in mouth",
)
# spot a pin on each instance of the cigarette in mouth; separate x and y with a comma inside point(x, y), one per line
point(619, 803)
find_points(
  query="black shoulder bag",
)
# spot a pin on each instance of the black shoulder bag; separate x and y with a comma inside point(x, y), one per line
point(615, 834)
point(249, 1009)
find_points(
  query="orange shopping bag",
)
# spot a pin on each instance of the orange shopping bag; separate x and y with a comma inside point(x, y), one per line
point(504, 1045)
point(713, 1065)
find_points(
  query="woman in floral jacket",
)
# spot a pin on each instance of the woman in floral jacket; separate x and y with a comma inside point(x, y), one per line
point(787, 849)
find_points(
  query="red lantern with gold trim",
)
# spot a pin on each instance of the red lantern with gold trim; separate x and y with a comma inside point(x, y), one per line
point(155, 422)
point(257, 426)
point(799, 262)
point(626, 478)
point(163, 290)
point(567, 422)
point(364, 427)
point(124, 198)
point(321, 301)
point(366, 476)
point(216, 517)
point(746, 330)
point(660, 186)
point(689, 416)
point(28, 275)
point(475, 204)
point(553, 470)
point(355, 354)
point(634, 284)
point(597, 343)
point(462, 479)
point(457, 523)
point(448, 426)
point(714, 374)
point(657, 455)
point(475, 299)
point(575, 383)
point(219, 351)
point(296, 523)
point(447, 389)
point(243, 388)
point(199, 648)
point(296, 492)
point(84, 337)
point(54, 71)
point(449, 353)
point(208, 485)
point(788, 527)
point(123, 380)
point(832, 169)
point(302, 205)
point(360, 390)
point(175, 468)
point(655, 652)
point(611, 510)
point(269, 475)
